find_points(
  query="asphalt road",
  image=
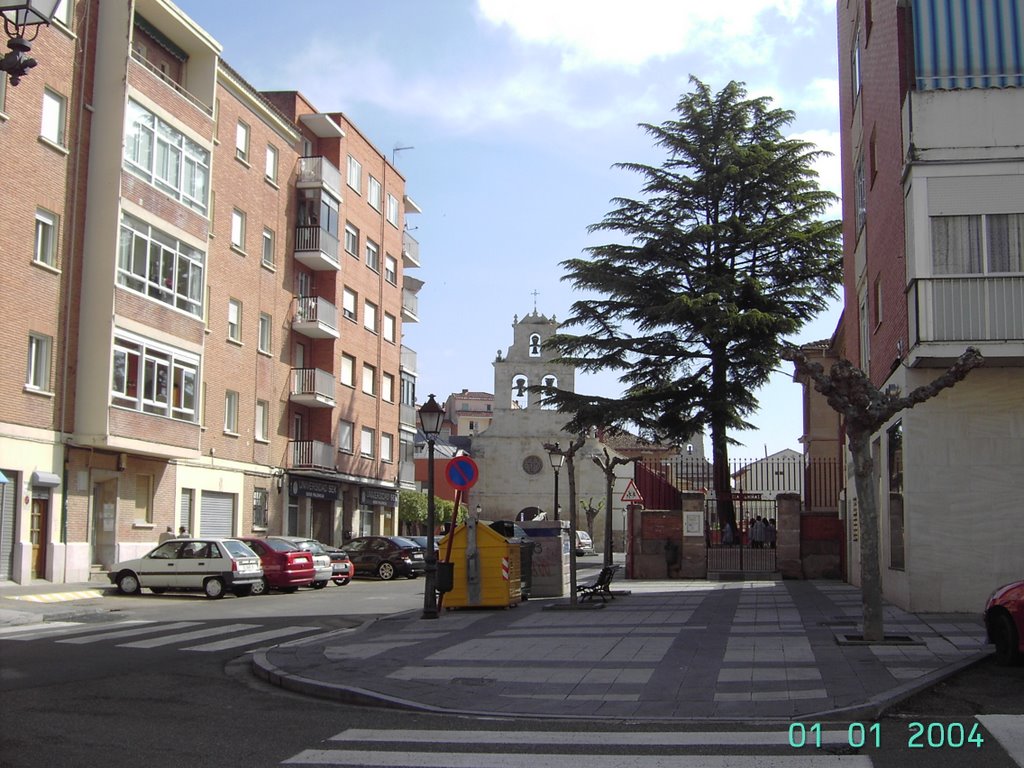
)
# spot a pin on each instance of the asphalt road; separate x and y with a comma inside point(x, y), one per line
point(165, 682)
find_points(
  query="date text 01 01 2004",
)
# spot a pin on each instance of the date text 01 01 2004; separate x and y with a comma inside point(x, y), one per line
point(919, 735)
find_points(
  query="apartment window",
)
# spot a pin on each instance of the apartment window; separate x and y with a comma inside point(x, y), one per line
point(235, 320)
point(163, 156)
point(370, 316)
point(391, 269)
point(392, 210)
point(270, 169)
point(153, 378)
point(897, 549)
point(351, 240)
point(354, 174)
point(863, 327)
point(855, 65)
point(372, 255)
point(348, 370)
point(366, 441)
point(373, 192)
point(387, 387)
point(46, 238)
point(268, 247)
point(260, 507)
point(231, 412)
point(3, 94)
point(369, 379)
point(389, 327)
point(242, 141)
point(54, 107)
point(238, 229)
point(978, 244)
point(262, 421)
point(386, 446)
point(345, 436)
point(860, 195)
point(348, 304)
point(39, 352)
point(157, 265)
point(144, 499)
point(265, 339)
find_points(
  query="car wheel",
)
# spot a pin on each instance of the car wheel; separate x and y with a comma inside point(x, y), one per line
point(158, 590)
point(319, 584)
point(128, 583)
point(1004, 635)
point(386, 571)
point(260, 587)
point(243, 591)
point(214, 588)
point(341, 582)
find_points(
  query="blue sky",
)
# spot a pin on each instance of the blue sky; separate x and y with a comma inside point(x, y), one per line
point(516, 110)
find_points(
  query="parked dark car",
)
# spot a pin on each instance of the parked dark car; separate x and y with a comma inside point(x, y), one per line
point(285, 566)
point(386, 556)
point(342, 569)
point(1004, 621)
point(421, 541)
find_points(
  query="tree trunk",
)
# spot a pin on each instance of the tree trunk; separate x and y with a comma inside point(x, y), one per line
point(867, 504)
point(722, 479)
point(609, 479)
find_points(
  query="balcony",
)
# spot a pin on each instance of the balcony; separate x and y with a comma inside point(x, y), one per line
point(408, 360)
point(318, 173)
point(948, 314)
point(311, 454)
point(312, 387)
point(315, 317)
point(410, 251)
point(317, 248)
point(410, 306)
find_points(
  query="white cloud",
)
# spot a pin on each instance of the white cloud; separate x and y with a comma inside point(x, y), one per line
point(464, 102)
point(828, 166)
point(610, 33)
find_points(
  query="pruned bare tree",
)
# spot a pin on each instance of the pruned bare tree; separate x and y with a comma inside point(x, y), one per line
point(864, 410)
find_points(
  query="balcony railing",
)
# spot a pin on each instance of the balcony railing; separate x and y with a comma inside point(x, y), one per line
point(410, 250)
point(318, 171)
point(174, 85)
point(967, 309)
point(312, 454)
point(408, 359)
point(410, 306)
point(312, 387)
point(316, 248)
point(315, 317)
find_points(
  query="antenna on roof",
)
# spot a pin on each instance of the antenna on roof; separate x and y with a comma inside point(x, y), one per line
point(397, 149)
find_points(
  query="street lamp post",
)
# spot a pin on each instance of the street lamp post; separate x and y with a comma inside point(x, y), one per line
point(556, 457)
point(19, 18)
point(431, 416)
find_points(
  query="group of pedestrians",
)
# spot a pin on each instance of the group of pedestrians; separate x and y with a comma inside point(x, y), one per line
point(761, 534)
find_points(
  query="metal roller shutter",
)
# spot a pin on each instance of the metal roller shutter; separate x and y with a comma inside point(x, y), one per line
point(218, 514)
point(8, 508)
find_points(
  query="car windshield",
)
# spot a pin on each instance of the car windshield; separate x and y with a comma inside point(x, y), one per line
point(310, 546)
point(280, 545)
point(166, 551)
point(238, 548)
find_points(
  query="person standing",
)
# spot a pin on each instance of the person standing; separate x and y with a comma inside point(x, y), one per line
point(166, 535)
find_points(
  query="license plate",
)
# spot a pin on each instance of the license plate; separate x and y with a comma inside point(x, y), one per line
point(417, 556)
point(302, 560)
point(247, 566)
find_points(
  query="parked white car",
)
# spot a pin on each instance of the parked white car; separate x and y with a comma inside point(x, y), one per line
point(584, 544)
point(214, 566)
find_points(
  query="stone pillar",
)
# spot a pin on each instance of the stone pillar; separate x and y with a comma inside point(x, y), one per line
point(788, 536)
point(695, 542)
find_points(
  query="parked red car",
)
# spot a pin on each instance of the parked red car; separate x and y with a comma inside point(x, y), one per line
point(285, 566)
point(1004, 621)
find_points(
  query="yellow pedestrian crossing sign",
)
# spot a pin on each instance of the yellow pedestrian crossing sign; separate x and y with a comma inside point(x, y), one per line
point(632, 494)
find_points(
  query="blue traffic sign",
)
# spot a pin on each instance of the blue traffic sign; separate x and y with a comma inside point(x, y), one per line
point(462, 473)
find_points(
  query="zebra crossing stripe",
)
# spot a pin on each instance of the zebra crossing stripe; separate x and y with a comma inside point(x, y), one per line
point(129, 632)
point(258, 637)
point(156, 642)
point(777, 738)
point(51, 628)
point(526, 760)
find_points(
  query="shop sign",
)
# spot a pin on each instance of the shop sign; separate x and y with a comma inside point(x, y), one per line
point(313, 489)
point(378, 497)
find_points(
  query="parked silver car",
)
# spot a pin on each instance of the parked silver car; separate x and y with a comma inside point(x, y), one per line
point(321, 558)
point(214, 566)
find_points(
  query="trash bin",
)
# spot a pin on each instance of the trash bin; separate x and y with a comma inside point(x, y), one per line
point(519, 537)
point(486, 568)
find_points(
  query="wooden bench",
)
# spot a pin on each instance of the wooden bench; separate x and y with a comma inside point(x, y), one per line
point(601, 586)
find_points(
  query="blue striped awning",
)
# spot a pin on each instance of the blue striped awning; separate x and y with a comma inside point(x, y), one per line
point(968, 44)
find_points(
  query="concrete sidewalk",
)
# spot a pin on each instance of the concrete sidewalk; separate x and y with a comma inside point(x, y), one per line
point(668, 651)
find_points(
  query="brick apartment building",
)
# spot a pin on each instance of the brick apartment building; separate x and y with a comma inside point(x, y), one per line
point(207, 285)
point(931, 99)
